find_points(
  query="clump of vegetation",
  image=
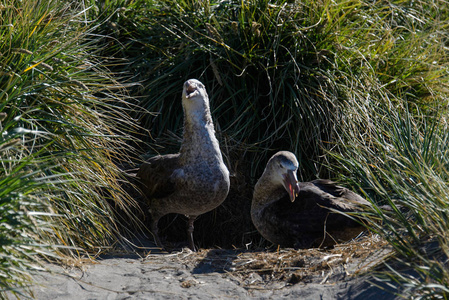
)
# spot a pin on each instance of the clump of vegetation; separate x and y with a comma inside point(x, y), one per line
point(404, 164)
point(64, 127)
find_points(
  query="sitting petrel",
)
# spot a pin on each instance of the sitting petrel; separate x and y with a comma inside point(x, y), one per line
point(302, 214)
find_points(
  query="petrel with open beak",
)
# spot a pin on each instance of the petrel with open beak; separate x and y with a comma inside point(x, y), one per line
point(193, 181)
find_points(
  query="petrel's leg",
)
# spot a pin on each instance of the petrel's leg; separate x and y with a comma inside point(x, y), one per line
point(155, 232)
point(190, 232)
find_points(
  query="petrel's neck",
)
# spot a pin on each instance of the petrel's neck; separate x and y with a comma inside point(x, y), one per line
point(266, 191)
point(199, 135)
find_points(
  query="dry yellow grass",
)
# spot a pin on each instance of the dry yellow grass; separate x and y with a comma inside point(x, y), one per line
point(276, 269)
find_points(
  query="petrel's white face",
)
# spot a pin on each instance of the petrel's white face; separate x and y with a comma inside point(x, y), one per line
point(283, 167)
point(194, 96)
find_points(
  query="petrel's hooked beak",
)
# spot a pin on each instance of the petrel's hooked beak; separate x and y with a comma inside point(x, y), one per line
point(291, 185)
point(191, 89)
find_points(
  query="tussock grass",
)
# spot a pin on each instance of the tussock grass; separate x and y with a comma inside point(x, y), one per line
point(278, 72)
point(405, 165)
point(22, 209)
point(65, 126)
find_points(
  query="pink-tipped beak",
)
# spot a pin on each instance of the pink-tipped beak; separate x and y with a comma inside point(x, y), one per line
point(291, 185)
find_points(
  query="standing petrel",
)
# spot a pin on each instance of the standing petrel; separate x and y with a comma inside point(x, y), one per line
point(193, 181)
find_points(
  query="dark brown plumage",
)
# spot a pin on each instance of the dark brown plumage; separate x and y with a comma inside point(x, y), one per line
point(298, 215)
point(193, 181)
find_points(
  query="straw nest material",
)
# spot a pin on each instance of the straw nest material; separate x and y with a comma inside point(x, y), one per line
point(282, 267)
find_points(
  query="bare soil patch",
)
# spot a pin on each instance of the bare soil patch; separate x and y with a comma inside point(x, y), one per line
point(342, 272)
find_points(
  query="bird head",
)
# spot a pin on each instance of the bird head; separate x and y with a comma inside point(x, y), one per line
point(194, 96)
point(283, 166)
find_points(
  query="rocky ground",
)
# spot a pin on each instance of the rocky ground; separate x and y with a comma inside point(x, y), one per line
point(343, 272)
